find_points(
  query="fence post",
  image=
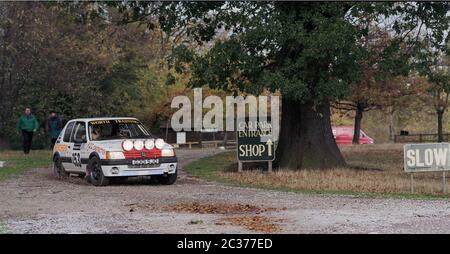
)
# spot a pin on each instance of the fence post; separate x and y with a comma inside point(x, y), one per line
point(200, 141)
point(444, 183)
point(420, 138)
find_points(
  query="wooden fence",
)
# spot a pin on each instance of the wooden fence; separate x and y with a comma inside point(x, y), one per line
point(420, 138)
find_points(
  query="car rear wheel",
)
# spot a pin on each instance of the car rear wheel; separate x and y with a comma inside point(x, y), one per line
point(58, 168)
point(96, 175)
point(168, 179)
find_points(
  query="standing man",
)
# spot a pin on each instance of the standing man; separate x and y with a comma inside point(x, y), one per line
point(27, 124)
point(54, 127)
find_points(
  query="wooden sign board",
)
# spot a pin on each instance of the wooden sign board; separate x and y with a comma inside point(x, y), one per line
point(255, 142)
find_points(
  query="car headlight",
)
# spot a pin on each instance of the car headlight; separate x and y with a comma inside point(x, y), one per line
point(114, 156)
point(149, 144)
point(159, 143)
point(127, 145)
point(167, 152)
point(138, 145)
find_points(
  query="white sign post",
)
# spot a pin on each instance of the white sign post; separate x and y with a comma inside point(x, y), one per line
point(181, 138)
point(431, 157)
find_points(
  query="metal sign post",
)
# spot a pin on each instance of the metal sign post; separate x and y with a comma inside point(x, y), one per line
point(412, 183)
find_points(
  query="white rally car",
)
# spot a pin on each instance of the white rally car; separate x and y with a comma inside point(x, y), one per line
point(103, 148)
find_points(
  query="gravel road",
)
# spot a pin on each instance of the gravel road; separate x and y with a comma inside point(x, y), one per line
point(36, 202)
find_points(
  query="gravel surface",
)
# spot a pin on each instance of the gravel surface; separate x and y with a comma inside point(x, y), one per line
point(36, 202)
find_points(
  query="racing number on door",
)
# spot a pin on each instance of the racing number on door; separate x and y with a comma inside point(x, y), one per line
point(76, 159)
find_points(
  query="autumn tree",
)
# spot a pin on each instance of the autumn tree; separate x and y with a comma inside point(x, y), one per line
point(437, 90)
point(75, 59)
point(398, 98)
point(370, 91)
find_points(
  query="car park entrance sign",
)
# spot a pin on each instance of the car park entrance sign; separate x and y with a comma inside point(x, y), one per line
point(430, 157)
point(252, 148)
point(255, 142)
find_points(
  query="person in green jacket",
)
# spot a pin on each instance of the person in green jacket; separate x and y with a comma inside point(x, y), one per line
point(27, 124)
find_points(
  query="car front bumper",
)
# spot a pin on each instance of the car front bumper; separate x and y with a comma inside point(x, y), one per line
point(121, 168)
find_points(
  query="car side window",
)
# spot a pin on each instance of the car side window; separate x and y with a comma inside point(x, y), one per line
point(68, 132)
point(80, 133)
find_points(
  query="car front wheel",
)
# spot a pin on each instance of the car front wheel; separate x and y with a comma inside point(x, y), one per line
point(96, 175)
point(168, 179)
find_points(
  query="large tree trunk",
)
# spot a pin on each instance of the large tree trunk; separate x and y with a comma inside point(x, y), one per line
point(357, 126)
point(391, 123)
point(440, 115)
point(306, 139)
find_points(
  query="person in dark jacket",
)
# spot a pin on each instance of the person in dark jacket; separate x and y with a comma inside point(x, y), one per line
point(54, 127)
point(27, 124)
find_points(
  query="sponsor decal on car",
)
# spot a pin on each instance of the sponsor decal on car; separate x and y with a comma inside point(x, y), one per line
point(62, 148)
point(100, 122)
point(93, 147)
point(124, 121)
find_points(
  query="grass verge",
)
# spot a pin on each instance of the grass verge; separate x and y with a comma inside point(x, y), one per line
point(18, 163)
point(374, 171)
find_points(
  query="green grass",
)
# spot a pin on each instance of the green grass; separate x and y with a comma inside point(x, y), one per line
point(17, 163)
point(208, 167)
point(212, 169)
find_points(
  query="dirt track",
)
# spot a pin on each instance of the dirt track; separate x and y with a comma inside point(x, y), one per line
point(38, 203)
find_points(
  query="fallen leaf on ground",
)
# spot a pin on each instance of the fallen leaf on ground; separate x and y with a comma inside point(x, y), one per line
point(254, 223)
point(216, 208)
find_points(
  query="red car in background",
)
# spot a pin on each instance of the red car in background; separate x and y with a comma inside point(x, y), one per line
point(344, 135)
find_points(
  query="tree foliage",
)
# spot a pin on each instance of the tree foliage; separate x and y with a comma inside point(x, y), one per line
point(311, 52)
point(76, 60)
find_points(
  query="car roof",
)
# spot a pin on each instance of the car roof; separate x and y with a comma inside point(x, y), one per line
point(101, 118)
point(345, 128)
point(342, 127)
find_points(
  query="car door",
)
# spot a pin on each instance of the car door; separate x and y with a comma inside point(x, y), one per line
point(364, 139)
point(77, 148)
point(66, 145)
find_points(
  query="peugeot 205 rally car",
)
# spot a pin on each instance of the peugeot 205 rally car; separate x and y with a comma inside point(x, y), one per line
point(104, 148)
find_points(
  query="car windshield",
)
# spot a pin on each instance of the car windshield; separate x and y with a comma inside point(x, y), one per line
point(117, 129)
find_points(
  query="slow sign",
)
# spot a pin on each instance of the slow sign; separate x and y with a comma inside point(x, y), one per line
point(427, 157)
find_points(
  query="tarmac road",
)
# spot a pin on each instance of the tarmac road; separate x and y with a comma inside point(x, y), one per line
point(36, 202)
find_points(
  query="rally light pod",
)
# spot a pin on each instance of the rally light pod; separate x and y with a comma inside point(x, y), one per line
point(138, 145)
point(159, 143)
point(149, 144)
point(127, 145)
